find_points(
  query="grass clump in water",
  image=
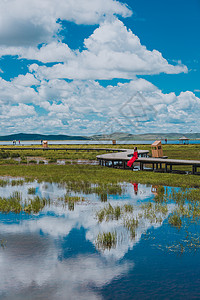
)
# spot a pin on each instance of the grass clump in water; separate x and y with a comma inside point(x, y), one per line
point(131, 225)
point(35, 205)
point(71, 200)
point(109, 213)
point(3, 182)
point(31, 191)
point(32, 161)
point(175, 220)
point(11, 204)
point(106, 240)
point(17, 182)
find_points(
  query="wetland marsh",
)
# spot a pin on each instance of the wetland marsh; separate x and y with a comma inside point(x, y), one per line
point(87, 232)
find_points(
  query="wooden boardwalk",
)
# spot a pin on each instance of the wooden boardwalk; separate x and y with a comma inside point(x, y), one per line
point(120, 160)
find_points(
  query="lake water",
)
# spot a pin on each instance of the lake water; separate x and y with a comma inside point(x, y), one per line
point(24, 143)
point(54, 254)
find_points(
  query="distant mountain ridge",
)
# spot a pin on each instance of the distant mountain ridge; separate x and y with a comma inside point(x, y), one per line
point(120, 136)
point(36, 137)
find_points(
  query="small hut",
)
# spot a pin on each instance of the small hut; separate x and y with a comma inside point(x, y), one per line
point(45, 144)
point(184, 140)
point(114, 142)
point(156, 149)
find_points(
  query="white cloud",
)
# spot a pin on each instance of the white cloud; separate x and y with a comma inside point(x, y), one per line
point(112, 51)
point(86, 107)
point(21, 110)
point(27, 80)
point(17, 90)
point(26, 23)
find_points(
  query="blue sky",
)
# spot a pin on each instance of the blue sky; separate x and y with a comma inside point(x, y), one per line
point(97, 66)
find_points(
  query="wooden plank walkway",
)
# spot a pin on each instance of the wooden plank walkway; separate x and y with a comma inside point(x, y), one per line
point(158, 164)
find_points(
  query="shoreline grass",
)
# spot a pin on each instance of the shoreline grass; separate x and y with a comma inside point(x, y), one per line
point(96, 175)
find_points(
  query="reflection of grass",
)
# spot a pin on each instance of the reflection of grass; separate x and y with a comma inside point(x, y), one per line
point(106, 240)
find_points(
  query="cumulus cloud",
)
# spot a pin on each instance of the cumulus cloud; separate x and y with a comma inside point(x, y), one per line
point(86, 107)
point(112, 51)
point(15, 111)
point(25, 22)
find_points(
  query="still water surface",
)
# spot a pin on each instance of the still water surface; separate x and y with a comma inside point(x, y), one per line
point(53, 254)
point(143, 142)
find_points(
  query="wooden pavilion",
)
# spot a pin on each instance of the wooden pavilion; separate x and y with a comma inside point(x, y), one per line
point(184, 140)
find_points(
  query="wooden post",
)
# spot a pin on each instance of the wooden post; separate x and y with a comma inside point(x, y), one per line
point(193, 169)
point(124, 164)
point(113, 164)
point(170, 168)
point(165, 167)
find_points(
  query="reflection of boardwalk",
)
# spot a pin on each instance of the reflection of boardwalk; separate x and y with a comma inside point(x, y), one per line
point(120, 160)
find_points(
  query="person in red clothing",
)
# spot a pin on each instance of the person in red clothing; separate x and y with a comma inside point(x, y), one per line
point(135, 156)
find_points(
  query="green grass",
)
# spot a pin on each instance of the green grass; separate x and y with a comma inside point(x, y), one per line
point(95, 174)
point(84, 175)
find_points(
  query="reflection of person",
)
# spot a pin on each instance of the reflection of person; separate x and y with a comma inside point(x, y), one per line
point(135, 156)
point(135, 186)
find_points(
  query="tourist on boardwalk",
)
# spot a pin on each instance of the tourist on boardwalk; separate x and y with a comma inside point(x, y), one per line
point(135, 156)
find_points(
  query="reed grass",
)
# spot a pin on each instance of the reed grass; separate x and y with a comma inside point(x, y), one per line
point(106, 240)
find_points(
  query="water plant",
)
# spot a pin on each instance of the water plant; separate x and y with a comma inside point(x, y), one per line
point(109, 213)
point(11, 204)
point(71, 200)
point(175, 220)
point(3, 182)
point(106, 240)
point(17, 182)
point(35, 205)
point(31, 191)
point(32, 161)
point(131, 224)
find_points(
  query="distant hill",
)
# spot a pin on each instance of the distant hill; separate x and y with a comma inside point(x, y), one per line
point(120, 136)
point(36, 137)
